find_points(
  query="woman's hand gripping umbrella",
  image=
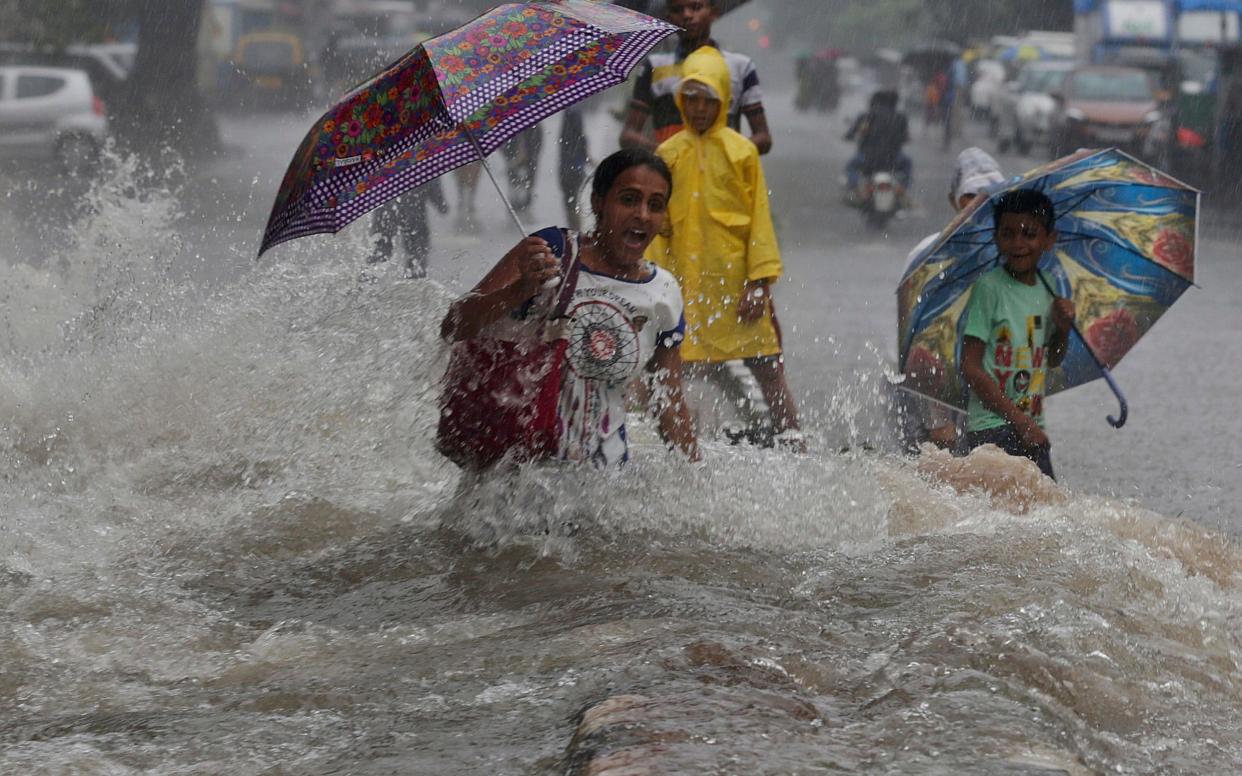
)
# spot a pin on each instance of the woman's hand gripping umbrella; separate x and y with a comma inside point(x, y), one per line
point(1125, 252)
point(452, 100)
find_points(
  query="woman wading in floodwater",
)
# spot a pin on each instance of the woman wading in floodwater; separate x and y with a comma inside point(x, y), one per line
point(625, 315)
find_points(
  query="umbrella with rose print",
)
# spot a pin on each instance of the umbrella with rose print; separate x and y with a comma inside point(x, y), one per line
point(1125, 252)
point(452, 100)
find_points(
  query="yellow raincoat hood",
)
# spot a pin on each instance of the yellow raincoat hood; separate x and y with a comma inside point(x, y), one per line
point(707, 66)
point(720, 226)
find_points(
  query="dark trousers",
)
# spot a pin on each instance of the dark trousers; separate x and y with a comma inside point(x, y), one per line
point(404, 218)
point(1007, 439)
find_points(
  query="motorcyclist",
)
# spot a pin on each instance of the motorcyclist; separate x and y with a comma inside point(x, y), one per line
point(880, 132)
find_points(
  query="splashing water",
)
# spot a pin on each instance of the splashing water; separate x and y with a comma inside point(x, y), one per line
point(229, 547)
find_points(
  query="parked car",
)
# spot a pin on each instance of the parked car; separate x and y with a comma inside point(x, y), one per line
point(1100, 106)
point(1023, 108)
point(107, 64)
point(51, 113)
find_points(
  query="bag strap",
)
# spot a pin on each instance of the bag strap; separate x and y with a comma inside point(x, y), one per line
point(571, 265)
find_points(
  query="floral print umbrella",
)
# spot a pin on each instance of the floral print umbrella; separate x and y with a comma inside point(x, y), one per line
point(1125, 252)
point(451, 100)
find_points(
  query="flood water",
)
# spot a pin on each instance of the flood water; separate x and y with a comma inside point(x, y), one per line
point(228, 546)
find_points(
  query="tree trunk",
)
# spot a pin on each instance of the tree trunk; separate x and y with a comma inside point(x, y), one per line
point(162, 109)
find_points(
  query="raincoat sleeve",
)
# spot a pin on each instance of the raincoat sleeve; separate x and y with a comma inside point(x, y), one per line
point(763, 256)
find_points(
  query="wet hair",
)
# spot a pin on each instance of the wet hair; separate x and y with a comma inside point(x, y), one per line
point(611, 168)
point(1025, 202)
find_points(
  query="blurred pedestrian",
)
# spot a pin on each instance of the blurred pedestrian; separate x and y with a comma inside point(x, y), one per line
point(920, 419)
point(467, 179)
point(722, 247)
point(661, 73)
point(521, 155)
point(958, 80)
point(574, 158)
point(405, 219)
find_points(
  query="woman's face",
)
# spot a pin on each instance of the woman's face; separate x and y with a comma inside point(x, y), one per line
point(631, 214)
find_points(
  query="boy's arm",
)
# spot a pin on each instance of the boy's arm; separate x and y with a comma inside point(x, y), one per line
point(1062, 322)
point(993, 396)
point(633, 134)
point(760, 134)
point(751, 100)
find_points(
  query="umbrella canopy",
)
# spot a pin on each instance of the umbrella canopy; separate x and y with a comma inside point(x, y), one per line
point(931, 58)
point(1125, 252)
point(1025, 52)
point(451, 100)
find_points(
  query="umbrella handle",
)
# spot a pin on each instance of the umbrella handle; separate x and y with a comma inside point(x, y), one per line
point(1115, 422)
point(483, 158)
point(1125, 407)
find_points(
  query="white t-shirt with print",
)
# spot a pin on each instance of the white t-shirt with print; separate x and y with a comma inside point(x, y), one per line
point(614, 330)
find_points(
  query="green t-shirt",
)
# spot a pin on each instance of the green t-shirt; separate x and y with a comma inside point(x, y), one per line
point(1014, 321)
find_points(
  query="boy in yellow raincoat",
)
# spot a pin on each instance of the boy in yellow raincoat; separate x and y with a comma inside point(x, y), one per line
point(722, 247)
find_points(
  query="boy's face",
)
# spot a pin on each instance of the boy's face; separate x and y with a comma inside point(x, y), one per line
point(701, 109)
point(695, 17)
point(1022, 239)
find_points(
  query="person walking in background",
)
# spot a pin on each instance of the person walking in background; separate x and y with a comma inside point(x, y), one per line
point(920, 419)
point(405, 219)
point(722, 248)
point(522, 165)
point(661, 73)
point(572, 167)
point(467, 179)
point(958, 81)
point(933, 95)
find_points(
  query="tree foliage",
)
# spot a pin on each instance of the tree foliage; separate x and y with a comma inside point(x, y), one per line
point(57, 23)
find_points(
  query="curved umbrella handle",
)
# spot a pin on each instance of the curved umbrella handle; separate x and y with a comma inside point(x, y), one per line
point(1117, 422)
point(1125, 407)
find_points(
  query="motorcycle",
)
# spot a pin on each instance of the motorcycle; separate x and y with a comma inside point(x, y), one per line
point(878, 196)
point(881, 198)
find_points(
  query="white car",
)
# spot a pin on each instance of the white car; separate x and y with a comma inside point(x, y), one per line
point(1024, 107)
point(989, 76)
point(51, 113)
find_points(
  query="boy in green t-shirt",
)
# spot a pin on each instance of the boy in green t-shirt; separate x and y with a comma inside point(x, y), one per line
point(1016, 330)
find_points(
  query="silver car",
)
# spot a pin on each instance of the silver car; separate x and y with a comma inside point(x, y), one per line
point(51, 113)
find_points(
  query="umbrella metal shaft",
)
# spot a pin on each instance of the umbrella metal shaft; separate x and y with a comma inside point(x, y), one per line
point(487, 167)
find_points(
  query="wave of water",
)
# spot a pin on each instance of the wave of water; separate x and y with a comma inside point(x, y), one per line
point(227, 546)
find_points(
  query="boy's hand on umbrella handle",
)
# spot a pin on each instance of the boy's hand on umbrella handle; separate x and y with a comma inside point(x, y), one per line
point(1063, 314)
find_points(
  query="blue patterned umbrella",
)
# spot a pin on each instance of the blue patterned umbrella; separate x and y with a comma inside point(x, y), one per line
point(1125, 252)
